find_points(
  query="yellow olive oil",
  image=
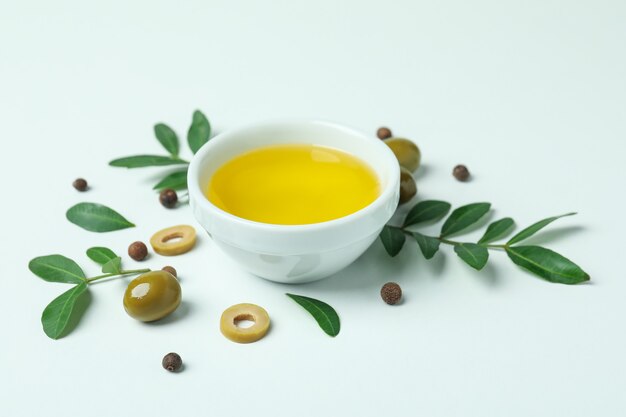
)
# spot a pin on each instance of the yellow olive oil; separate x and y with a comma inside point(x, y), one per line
point(293, 184)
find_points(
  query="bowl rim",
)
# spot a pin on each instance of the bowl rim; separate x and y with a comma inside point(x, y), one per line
point(196, 195)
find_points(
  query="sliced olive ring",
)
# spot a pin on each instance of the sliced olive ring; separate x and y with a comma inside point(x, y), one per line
point(161, 240)
point(240, 312)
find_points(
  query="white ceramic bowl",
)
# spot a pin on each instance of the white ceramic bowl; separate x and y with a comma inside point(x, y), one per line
point(294, 253)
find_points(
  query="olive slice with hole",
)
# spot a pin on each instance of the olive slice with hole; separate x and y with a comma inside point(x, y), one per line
point(174, 240)
point(244, 312)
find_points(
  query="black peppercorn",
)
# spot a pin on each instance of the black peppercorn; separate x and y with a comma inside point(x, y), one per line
point(172, 362)
point(168, 198)
point(461, 172)
point(170, 269)
point(383, 133)
point(391, 293)
point(138, 251)
point(80, 184)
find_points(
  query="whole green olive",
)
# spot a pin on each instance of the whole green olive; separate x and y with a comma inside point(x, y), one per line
point(408, 188)
point(407, 153)
point(152, 296)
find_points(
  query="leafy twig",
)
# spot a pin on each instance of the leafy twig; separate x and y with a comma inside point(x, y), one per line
point(58, 268)
point(540, 261)
point(198, 134)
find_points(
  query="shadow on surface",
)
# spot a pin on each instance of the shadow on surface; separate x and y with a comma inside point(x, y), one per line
point(421, 172)
point(183, 310)
point(544, 238)
point(489, 276)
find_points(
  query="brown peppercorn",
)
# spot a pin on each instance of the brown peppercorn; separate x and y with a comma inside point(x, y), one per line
point(168, 198)
point(461, 173)
point(80, 184)
point(383, 133)
point(172, 362)
point(170, 269)
point(391, 293)
point(138, 251)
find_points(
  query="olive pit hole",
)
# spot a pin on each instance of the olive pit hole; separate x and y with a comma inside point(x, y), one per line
point(244, 321)
point(173, 238)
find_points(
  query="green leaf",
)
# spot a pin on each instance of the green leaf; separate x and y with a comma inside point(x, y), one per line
point(464, 217)
point(57, 314)
point(325, 315)
point(497, 230)
point(114, 266)
point(425, 211)
point(547, 264)
point(57, 268)
point(140, 161)
point(176, 181)
point(97, 218)
point(393, 240)
point(100, 254)
point(428, 245)
point(474, 255)
point(531, 230)
point(167, 137)
point(199, 132)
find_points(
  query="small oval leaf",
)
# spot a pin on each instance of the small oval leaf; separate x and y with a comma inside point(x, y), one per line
point(531, 230)
point(114, 266)
point(393, 240)
point(176, 181)
point(167, 137)
point(97, 218)
point(141, 161)
point(100, 254)
point(57, 268)
point(325, 315)
point(426, 211)
point(464, 217)
point(428, 245)
point(547, 264)
point(474, 255)
point(497, 230)
point(57, 314)
point(199, 132)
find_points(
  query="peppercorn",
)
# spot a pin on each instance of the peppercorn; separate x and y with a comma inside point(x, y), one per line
point(461, 172)
point(383, 133)
point(138, 251)
point(168, 198)
point(172, 362)
point(80, 184)
point(391, 293)
point(170, 269)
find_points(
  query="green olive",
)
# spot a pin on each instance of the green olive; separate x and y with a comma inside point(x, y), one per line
point(408, 188)
point(407, 153)
point(152, 296)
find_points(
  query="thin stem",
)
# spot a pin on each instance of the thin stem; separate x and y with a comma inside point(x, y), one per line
point(121, 273)
point(448, 241)
point(178, 158)
point(496, 246)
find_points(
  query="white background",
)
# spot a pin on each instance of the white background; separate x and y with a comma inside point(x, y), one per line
point(529, 94)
